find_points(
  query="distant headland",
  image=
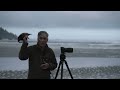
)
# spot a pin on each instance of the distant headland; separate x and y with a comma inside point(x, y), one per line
point(5, 35)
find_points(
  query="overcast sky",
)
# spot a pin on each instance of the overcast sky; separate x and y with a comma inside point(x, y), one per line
point(73, 23)
point(46, 19)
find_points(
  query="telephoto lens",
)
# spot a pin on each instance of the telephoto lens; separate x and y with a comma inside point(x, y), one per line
point(68, 50)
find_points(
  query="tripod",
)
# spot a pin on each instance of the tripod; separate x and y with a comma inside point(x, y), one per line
point(62, 61)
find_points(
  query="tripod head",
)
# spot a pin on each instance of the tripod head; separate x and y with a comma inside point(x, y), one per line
point(62, 57)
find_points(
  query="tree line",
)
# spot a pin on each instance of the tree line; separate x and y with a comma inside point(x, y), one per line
point(4, 34)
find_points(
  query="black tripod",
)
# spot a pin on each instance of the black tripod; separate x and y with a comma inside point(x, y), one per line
point(62, 61)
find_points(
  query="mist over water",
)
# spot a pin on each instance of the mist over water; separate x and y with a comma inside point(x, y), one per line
point(78, 34)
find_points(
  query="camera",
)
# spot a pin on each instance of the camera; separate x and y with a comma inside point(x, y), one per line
point(68, 50)
point(62, 60)
point(21, 36)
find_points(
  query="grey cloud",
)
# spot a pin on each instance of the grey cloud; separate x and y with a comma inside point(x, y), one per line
point(87, 19)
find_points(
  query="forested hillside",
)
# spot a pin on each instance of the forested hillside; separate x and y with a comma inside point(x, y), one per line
point(4, 34)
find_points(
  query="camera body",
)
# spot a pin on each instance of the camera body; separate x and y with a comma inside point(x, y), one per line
point(68, 50)
point(21, 36)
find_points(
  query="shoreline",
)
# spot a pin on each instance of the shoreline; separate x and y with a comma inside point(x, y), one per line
point(77, 52)
point(11, 49)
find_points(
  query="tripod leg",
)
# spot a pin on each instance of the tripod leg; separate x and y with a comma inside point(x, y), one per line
point(58, 69)
point(68, 69)
point(62, 70)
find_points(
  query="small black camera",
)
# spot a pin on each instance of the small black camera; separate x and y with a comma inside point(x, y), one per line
point(21, 36)
point(68, 50)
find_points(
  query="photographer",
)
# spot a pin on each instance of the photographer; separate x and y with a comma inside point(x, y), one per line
point(41, 58)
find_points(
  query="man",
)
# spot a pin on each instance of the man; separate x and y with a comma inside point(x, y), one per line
point(41, 58)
